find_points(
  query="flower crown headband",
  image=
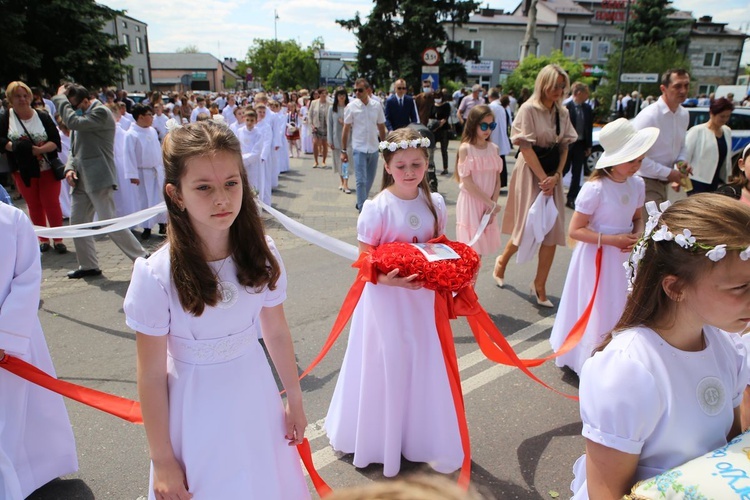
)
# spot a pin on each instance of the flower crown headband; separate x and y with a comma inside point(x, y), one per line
point(685, 239)
point(424, 142)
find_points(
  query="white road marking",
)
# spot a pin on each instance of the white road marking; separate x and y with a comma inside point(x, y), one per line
point(326, 456)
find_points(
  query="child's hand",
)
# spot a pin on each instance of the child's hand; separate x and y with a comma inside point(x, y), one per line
point(169, 481)
point(295, 422)
point(625, 241)
point(393, 279)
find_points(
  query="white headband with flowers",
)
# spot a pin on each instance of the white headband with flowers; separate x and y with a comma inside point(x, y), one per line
point(424, 142)
point(685, 239)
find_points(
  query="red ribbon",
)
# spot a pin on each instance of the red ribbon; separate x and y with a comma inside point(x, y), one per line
point(123, 408)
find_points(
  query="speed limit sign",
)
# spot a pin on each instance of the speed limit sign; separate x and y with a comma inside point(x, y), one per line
point(430, 56)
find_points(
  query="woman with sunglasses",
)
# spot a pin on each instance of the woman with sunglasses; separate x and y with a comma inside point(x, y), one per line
point(478, 168)
point(542, 131)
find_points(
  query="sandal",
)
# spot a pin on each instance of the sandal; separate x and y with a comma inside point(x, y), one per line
point(348, 191)
point(500, 282)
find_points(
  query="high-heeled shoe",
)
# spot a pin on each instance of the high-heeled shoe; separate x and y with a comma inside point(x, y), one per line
point(540, 302)
point(500, 282)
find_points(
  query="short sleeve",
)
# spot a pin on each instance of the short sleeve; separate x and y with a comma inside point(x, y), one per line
point(277, 295)
point(381, 115)
point(640, 187)
point(369, 224)
point(589, 197)
point(348, 118)
point(620, 401)
point(466, 167)
point(439, 203)
point(147, 301)
point(522, 130)
point(741, 360)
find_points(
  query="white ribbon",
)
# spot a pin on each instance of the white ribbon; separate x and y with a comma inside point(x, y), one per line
point(482, 226)
point(105, 226)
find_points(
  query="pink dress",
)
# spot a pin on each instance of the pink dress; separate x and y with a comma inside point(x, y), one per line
point(484, 166)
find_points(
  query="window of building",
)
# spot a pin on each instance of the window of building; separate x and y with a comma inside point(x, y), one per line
point(124, 24)
point(142, 76)
point(474, 44)
point(126, 40)
point(706, 89)
point(712, 59)
point(138, 45)
point(569, 45)
point(473, 30)
point(129, 74)
point(137, 28)
point(587, 46)
point(602, 48)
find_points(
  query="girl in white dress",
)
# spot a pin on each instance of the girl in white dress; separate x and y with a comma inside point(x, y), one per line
point(36, 439)
point(667, 385)
point(608, 213)
point(393, 398)
point(215, 423)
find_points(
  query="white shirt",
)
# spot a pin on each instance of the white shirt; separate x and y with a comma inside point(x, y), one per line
point(160, 124)
point(198, 110)
point(669, 147)
point(228, 114)
point(364, 120)
point(126, 121)
point(499, 136)
point(252, 143)
point(142, 150)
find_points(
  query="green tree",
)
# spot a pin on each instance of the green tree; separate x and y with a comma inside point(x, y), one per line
point(283, 63)
point(390, 43)
point(188, 49)
point(650, 24)
point(46, 42)
point(525, 74)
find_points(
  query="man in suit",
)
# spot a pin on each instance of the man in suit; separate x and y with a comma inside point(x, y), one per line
point(91, 173)
point(582, 117)
point(400, 109)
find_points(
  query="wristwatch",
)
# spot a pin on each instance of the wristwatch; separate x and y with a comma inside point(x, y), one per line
point(343, 151)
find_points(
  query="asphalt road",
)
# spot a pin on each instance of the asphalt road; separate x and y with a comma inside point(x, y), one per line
point(524, 437)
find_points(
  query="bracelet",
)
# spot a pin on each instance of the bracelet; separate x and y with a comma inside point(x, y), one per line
point(599, 242)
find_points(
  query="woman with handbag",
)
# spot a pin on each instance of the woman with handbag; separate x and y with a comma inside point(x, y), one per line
point(31, 141)
point(292, 128)
point(542, 130)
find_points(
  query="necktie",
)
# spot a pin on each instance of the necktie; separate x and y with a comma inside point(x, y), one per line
point(401, 101)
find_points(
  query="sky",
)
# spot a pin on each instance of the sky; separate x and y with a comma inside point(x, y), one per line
point(226, 28)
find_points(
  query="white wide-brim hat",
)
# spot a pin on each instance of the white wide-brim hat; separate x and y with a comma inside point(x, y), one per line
point(623, 143)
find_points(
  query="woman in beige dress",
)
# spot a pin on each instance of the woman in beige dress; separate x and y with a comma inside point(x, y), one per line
point(535, 125)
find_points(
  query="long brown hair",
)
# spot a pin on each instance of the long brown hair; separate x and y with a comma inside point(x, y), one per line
point(196, 283)
point(476, 115)
point(713, 219)
point(409, 134)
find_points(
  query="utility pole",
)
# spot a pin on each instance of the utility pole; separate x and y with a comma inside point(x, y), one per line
point(530, 43)
point(275, 18)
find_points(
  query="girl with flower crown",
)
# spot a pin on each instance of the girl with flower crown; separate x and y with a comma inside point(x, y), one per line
point(393, 398)
point(607, 215)
point(665, 387)
point(478, 168)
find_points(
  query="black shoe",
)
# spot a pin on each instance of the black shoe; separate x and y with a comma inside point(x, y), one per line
point(162, 229)
point(44, 247)
point(82, 273)
point(61, 248)
point(445, 172)
point(570, 204)
point(146, 234)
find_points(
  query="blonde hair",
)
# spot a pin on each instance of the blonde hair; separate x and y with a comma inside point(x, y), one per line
point(416, 487)
point(13, 86)
point(546, 80)
point(409, 134)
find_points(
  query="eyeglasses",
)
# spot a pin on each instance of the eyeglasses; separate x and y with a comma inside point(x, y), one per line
point(484, 126)
point(559, 86)
point(400, 88)
point(359, 90)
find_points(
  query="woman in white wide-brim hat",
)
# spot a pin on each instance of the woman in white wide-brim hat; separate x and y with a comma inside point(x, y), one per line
point(608, 214)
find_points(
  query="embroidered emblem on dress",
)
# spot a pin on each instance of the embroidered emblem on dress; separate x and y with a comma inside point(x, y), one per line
point(711, 395)
point(414, 221)
point(229, 293)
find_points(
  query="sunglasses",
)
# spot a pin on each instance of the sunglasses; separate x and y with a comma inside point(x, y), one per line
point(484, 126)
point(359, 90)
point(400, 88)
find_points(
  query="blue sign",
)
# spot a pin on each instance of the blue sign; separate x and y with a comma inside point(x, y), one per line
point(433, 78)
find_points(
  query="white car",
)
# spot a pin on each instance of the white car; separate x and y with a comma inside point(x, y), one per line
point(739, 122)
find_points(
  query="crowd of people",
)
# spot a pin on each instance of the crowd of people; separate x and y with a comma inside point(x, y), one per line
point(659, 293)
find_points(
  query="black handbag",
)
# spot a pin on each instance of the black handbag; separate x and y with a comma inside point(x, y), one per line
point(58, 167)
point(549, 157)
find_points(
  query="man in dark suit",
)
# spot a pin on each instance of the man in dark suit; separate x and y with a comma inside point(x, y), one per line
point(582, 117)
point(91, 173)
point(400, 109)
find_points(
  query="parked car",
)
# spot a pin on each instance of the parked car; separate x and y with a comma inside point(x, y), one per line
point(739, 122)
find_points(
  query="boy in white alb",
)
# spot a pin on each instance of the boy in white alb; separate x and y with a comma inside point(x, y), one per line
point(265, 177)
point(160, 121)
point(228, 111)
point(239, 120)
point(126, 119)
point(143, 155)
point(200, 109)
point(253, 140)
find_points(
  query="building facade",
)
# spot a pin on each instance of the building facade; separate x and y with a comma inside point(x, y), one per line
point(586, 30)
point(182, 72)
point(133, 33)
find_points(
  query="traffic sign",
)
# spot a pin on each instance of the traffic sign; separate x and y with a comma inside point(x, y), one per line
point(432, 75)
point(430, 56)
point(639, 78)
